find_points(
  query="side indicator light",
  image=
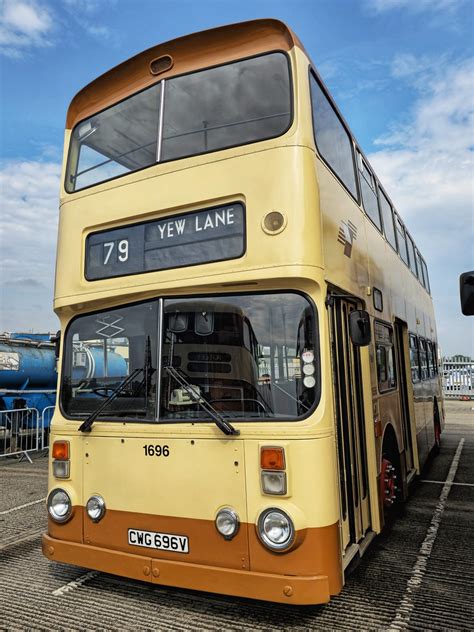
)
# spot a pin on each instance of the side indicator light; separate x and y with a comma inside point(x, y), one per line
point(272, 458)
point(60, 450)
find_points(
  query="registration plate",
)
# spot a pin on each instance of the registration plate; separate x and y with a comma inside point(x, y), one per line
point(155, 540)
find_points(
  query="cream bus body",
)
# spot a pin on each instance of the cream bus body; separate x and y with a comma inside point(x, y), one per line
point(205, 470)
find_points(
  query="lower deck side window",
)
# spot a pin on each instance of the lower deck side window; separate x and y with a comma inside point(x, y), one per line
point(385, 357)
point(414, 359)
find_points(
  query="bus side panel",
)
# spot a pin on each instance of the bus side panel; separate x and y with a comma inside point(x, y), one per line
point(311, 502)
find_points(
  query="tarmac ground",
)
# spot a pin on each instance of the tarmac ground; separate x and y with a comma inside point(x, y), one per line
point(417, 575)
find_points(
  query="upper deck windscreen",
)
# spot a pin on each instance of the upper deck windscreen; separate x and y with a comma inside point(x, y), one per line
point(233, 104)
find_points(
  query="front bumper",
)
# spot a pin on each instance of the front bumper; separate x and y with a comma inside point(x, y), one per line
point(290, 589)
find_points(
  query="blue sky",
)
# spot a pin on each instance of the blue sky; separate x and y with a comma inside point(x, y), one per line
point(401, 71)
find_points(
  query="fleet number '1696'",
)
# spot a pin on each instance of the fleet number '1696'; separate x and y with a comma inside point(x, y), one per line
point(156, 450)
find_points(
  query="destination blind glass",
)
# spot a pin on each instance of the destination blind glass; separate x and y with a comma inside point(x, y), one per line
point(213, 234)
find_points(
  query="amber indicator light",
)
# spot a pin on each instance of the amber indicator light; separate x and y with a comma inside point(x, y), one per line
point(61, 450)
point(272, 459)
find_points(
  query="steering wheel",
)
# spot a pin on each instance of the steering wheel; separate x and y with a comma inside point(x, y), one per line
point(102, 390)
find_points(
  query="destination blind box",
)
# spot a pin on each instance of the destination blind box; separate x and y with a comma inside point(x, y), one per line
point(204, 236)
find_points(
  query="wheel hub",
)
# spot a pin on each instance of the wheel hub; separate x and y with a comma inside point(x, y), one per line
point(389, 483)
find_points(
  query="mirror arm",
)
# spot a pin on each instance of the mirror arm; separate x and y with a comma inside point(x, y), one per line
point(329, 302)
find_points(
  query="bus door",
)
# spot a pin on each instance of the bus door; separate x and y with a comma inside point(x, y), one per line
point(402, 354)
point(352, 455)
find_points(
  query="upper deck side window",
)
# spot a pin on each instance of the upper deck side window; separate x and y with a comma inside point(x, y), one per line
point(401, 239)
point(419, 267)
point(388, 225)
point(411, 252)
point(425, 275)
point(333, 142)
point(369, 192)
point(217, 108)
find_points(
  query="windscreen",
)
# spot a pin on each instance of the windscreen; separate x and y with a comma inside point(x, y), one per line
point(112, 351)
point(248, 357)
point(225, 106)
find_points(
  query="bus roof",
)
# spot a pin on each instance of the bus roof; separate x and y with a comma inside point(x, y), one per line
point(189, 53)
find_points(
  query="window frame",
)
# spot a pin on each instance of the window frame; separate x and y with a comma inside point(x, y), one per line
point(423, 348)
point(411, 251)
point(313, 73)
point(390, 389)
point(425, 275)
point(421, 277)
point(363, 163)
point(412, 336)
point(154, 164)
point(431, 360)
point(435, 356)
point(398, 219)
point(392, 212)
point(67, 353)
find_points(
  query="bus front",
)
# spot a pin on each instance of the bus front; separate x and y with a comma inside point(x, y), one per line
point(193, 444)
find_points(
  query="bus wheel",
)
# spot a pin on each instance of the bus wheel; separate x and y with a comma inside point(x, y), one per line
point(389, 486)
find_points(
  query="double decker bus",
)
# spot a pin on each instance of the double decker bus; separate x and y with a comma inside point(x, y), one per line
point(274, 387)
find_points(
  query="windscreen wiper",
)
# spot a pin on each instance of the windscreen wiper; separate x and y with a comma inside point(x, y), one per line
point(147, 371)
point(220, 422)
point(87, 424)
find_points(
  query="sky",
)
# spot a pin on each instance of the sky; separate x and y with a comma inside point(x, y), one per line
point(401, 71)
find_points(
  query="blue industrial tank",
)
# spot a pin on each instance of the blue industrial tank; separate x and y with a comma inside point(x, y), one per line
point(89, 361)
point(27, 364)
point(27, 372)
point(28, 375)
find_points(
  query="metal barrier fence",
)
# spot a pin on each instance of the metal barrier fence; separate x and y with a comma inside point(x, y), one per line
point(458, 379)
point(20, 432)
point(45, 425)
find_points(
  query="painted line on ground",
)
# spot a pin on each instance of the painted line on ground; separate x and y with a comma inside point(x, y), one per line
point(402, 616)
point(444, 483)
point(76, 583)
point(34, 502)
point(11, 542)
point(30, 471)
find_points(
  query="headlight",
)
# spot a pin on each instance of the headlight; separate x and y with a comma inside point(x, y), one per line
point(273, 482)
point(275, 529)
point(95, 508)
point(59, 505)
point(227, 523)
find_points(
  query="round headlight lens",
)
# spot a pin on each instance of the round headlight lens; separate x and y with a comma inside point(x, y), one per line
point(59, 505)
point(95, 508)
point(308, 369)
point(276, 530)
point(227, 523)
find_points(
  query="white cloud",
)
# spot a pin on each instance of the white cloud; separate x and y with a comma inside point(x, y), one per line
point(84, 13)
point(426, 164)
point(28, 24)
point(23, 24)
point(415, 6)
point(28, 229)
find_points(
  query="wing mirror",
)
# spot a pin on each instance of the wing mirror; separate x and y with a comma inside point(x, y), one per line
point(466, 289)
point(56, 340)
point(359, 327)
